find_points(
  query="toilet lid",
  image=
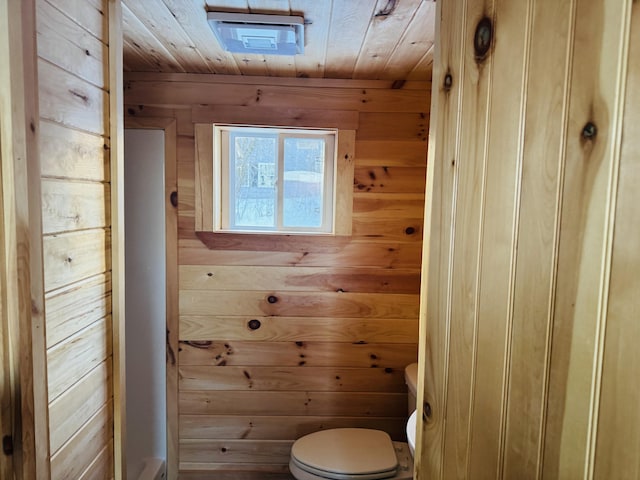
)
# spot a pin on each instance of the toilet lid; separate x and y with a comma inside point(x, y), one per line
point(346, 451)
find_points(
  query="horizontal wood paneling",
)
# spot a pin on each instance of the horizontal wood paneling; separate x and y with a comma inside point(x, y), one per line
point(271, 94)
point(70, 101)
point(294, 403)
point(235, 451)
point(69, 361)
point(65, 43)
point(281, 329)
point(291, 379)
point(302, 304)
point(74, 143)
point(291, 353)
point(330, 345)
point(73, 206)
point(71, 257)
point(313, 279)
point(71, 309)
point(84, 447)
point(71, 410)
point(67, 153)
point(261, 427)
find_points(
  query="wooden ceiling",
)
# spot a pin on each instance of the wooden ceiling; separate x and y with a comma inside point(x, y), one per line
point(359, 39)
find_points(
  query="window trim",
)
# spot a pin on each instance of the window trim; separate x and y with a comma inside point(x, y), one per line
point(206, 191)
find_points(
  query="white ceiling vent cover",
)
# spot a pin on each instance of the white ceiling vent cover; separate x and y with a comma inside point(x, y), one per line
point(261, 34)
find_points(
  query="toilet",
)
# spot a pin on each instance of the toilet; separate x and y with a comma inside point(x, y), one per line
point(357, 453)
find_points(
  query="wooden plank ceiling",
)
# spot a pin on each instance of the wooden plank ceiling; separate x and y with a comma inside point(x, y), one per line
point(358, 39)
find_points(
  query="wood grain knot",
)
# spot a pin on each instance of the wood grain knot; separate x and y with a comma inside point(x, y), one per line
point(272, 299)
point(254, 324)
point(589, 131)
point(426, 413)
point(482, 38)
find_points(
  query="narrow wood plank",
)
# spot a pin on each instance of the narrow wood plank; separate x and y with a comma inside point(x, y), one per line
point(584, 245)
point(317, 24)
point(64, 43)
point(271, 94)
point(318, 379)
point(230, 471)
point(90, 15)
point(299, 329)
point(344, 180)
point(394, 126)
point(71, 309)
point(161, 23)
point(145, 44)
point(291, 353)
point(416, 40)
point(205, 188)
point(81, 451)
point(68, 153)
point(349, 24)
point(278, 427)
point(294, 403)
point(470, 173)
point(235, 451)
point(396, 229)
point(388, 205)
point(22, 296)
point(389, 179)
point(71, 257)
point(68, 206)
point(436, 287)
point(313, 279)
point(618, 435)
point(354, 254)
point(71, 410)
point(298, 304)
point(102, 466)
point(282, 81)
point(507, 118)
point(70, 101)
point(115, 242)
point(391, 153)
point(69, 361)
point(276, 116)
point(382, 37)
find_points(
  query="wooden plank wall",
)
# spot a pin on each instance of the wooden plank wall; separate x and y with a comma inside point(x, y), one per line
point(74, 144)
point(532, 292)
point(330, 351)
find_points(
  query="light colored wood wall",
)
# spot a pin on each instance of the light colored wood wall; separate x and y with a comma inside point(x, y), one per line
point(331, 351)
point(531, 303)
point(74, 86)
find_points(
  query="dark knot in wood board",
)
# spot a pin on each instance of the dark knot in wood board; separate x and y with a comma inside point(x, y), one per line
point(482, 38)
point(254, 324)
point(272, 299)
point(589, 131)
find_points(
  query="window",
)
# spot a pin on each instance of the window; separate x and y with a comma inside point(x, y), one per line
point(274, 180)
point(289, 182)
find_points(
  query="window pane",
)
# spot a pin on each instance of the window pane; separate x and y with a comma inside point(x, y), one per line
point(303, 182)
point(253, 187)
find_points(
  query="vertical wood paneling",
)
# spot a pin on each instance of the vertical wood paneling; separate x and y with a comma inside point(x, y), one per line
point(504, 161)
point(466, 222)
point(554, 391)
point(350, 313)
point(443, 153)
point(618, 435)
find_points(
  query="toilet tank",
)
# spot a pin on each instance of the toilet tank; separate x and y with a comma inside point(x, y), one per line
point(411, 378)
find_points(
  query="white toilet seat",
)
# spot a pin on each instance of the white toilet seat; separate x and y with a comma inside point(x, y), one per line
point(350, 453)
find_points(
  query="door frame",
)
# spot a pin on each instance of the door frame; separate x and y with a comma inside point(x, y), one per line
point(171, 260)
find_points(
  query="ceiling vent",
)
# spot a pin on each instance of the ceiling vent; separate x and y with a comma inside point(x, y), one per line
point(261, 34)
